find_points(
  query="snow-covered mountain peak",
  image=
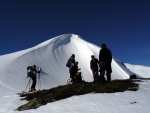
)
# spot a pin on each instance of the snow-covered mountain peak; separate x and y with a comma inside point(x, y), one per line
point(52, 56)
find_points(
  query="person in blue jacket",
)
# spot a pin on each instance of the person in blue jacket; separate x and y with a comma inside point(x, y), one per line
point(70, 64)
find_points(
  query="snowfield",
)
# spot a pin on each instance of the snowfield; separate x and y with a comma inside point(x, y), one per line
point(51, 56)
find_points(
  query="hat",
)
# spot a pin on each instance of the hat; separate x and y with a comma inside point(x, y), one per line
point(34, 66)
point(92, 56)
point(103, 45)
point(72, 55)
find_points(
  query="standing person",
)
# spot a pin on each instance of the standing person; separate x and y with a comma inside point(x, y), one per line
point(105, 59)
point(70, 63)
point(32, 73)
point(94, 67)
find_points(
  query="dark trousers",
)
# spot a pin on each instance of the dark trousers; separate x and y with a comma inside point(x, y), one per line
point(72, 74)
point(102, 73)
point(105, 67)
point(95, 73)
point(33, 82)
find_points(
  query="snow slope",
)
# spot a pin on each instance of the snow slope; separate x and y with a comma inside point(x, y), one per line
point(143, 71)
point(52, 56)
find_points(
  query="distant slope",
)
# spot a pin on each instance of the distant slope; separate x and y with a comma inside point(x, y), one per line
point(143, 71)
point(51, 56)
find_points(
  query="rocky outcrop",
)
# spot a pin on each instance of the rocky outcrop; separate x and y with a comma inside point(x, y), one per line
point(43, 97)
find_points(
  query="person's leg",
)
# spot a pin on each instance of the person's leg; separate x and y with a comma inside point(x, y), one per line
point(108, 72)
point(102, 72)
point(72, 76)
point(102, 78)
point(33, 83)
point(108, 77)
point(95, 74)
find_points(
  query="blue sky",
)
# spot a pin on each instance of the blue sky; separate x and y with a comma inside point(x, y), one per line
point(124, 25)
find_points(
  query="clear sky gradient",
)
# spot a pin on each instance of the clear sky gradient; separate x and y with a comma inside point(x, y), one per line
point(124, 25)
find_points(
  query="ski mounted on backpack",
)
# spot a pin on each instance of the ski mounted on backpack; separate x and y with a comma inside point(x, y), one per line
point(30, 71)
point(29, 68)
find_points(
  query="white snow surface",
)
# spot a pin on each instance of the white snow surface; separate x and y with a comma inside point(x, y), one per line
point(51, 56)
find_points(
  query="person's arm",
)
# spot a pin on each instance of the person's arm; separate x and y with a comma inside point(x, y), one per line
point(79, 68)
point(111, 55)
point(100, 56)
point(97, 60)
point(91, 64)
point(34, 71)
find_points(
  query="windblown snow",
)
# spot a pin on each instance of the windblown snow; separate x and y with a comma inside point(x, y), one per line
point(51, 56)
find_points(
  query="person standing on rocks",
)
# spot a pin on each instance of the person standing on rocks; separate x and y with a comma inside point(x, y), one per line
point(94, 67)
point(105, 59)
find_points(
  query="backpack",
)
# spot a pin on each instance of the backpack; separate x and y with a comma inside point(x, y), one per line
point(29, 71)
point(68, 63)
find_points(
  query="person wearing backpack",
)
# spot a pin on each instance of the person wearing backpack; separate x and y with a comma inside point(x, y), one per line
point(70, 63)
point(32, 71)
point(94, 67)
point(105, 59)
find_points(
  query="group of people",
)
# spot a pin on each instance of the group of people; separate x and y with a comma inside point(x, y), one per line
point(103, 65)
point(75, 76)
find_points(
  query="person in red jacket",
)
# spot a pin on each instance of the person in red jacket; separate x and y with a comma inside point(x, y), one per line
point(94, 67)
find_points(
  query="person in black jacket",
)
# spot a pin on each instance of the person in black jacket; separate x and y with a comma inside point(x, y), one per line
point(94, 67)
point(105, 59)
point(73, 70)
point(33, 72)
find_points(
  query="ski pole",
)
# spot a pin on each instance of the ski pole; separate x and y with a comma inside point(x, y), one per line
point(39, 83)
point(28, 84)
